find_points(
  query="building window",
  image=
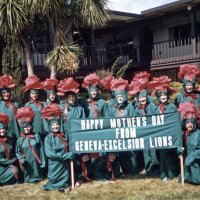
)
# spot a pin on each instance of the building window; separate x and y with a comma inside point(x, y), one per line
point(179, 35)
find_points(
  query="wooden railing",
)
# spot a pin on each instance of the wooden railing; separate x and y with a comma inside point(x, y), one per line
point(104, 56)
point(176, 50)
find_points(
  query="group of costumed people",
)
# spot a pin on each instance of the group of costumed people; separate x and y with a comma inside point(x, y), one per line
point(34, 137)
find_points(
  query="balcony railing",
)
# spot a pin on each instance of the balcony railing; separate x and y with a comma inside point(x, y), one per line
point(176, 50)
point(105, 55)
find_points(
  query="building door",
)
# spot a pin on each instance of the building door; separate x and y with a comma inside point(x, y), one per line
point(146, 44)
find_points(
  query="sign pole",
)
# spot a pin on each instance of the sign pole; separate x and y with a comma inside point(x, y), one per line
point(182, 169)
point(72, 173)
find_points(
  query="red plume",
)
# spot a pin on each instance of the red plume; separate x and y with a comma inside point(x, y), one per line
point(6, 81)
point(134, 88)
point(4, 118)
point(91, 79)
point(106, 82)
point(51, 111)
point(188, 110)
point(67, 85)
point(119, 84)
point(50, 84)
point(142, 75)
point(161, 84)
point(188, 72)
point(32, 82)
point(25, 113)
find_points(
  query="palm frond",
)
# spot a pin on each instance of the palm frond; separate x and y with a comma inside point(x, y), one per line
point(113, 68)
point(63, 58)
point(122, 70)
point(91, 13)
point(13, 17)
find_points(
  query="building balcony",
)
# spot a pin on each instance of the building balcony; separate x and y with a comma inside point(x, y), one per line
point(152, 56)
point(175, 51)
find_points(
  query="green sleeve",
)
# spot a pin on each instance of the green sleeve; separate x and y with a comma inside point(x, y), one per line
point(18, 151)
point(42, 153)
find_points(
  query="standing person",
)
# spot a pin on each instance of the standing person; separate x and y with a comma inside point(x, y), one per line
point(122, 108)
point(106, 83)
point(9, 107)
point(57, 151)
point(143, 107)
point(169, 163)
point(95, 107)
point(191, 141)
point(68, 88)
point(187, 75)
point(33, 85)
point(9, 173)
point(141, 78)
point(29, 147)
point(50, 87)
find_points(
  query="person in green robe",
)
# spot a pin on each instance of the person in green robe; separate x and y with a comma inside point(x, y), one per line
point(122, 108)
point(57, 151)
point(33, 85)
point(187, 75)
point(9, 107)
point(29, 147)
point(95, 107)
point(50, 87)
point(68, 89)
point(191, 141)
point(169, 162)
point(9, 173)
point(144, 107)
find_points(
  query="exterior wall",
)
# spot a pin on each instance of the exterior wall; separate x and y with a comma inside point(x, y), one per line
point(160, 27)
point(122, 35)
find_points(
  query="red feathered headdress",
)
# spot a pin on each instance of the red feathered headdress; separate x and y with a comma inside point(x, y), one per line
point(106, 82)
point(91, 79)
point(67, 85)
point(25, 113)
point(32, 82)
point(188, 72)
point(50, 84)
point(52, 111)
point(139, 83)
point(119, 84)
point(6, 81)
point(135, 87)
point(188, 110)
point(142, 76)
point(161, 84)
point(4, 118)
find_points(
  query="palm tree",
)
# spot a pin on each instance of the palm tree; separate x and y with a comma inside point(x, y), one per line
point(63, 15)
point(15, 23)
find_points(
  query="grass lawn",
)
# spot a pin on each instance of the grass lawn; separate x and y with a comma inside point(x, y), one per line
point(137, 187)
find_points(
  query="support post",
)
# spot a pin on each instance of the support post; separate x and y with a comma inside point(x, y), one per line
point(72, 173)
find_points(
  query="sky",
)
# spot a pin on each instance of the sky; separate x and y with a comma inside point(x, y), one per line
point(135, 6)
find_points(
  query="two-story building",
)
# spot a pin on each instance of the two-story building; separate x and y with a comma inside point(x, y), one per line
point(158, 40)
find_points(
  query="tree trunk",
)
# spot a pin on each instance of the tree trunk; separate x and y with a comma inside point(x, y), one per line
point(29, 61)
point(28, 55)
point(53, 72)
point(60, 37)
